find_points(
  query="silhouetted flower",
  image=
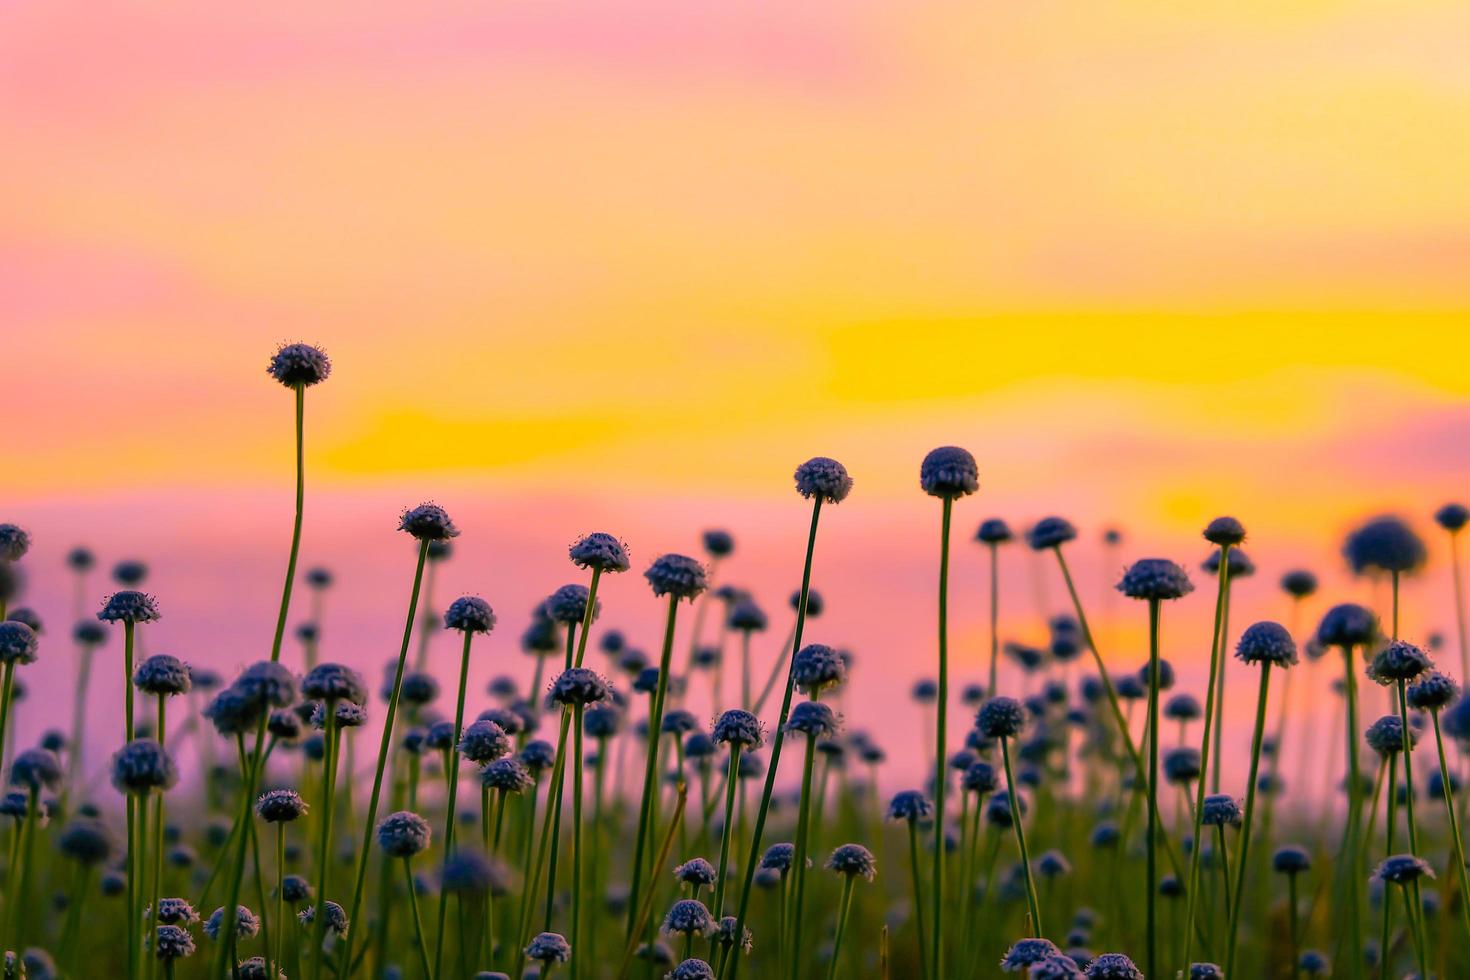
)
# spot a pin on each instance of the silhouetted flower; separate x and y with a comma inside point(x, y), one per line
point(909, 805)
point(1220, 810)
point(428, 522)
point(823, 478)
point(1384, 544)
point(247, 923)
point(1452, 517)
point(128, 606)
point(299, 364)
point(1001, 717)
point(1225, 531)
point(739, 727)
point(1113, 966)
point(815, 668)
point(333, 682)
point(949, 471)
point(1347, 625)
point(1401, 869)
point(812, 718)
point(676, 575)
point(18, 643)
point(1266, 642)
point(507, 775)
point(1432, 691)
point(718, 542)
point(1182, 707)
point(1291, 860)
point(403, 834)
point(280, 805)
point(600, 552)
point(15, 541)
point(578, 685)
point(1299, 583)
point(1386, 735)
point(993, 531)
point(1050, 532)
point(1025, 952)
point(692, 969)
point(142, 766)
point(469, 614)
point(1155, 579)
point(172, 942)
point(162, 674)
point(697, 872)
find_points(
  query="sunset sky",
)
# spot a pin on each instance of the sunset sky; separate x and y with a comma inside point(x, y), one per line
point(621, 266)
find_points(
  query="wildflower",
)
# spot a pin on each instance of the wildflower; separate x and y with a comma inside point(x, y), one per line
point(600, 552)
point(1113, 966)
point(1384, 544)
point(1386, 735)
point(403, 834)
point(1057, 967)
point(1401, 869)
point(295, 889)
point(1220, 810)
point(909, 805)
point(1001, 717)
point(677, 576)
point(247, 923)
point(484, 742)
point(252, 969)
point(1299, 583)
point(15, 541)
point(470, 872)
point(1238, 563)
point(1182, 764)
point(853, 860)
point(428, 522)
point(1205, 971)
point(333, 682)
point(993, 531)
point(1155, 579)
point(1399, 661)
point(1347, 625)
point(18, 644)
point(538, 755)
point(979, 778)
point(162, 675)
point(739, 727)
point(602, 721)
point(697, 872)
point(815, 668)
point(173, 942)
point(578, 686)
point(280, 806)
point(1266, 642)
point(949, 471)
point(177, 912)
point(779, 857)
point(418, 688)
point(724, 934)
point(128, 606)
point(268, 683)
point(36, 769)
point(336, 918)
point(812, 718)
point(1313, 964)
point(692, 969)
point(469, 614)
point(689, 917)
point(1050, 532)
point(823, 478)
point(89, 633)
point(1432, 691)
point(1025, 952)
point(1225, 531)
point(86, 841)
point(141, 766)
point(1291, 860)
point(299, 364)
point(1182, 707)
point(1452, 517)
point(1053, 864)
point(345, 715)
point(568, 605)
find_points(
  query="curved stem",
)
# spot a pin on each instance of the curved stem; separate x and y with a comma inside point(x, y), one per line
point(1012, 793)
point(803, 826)
point(1243, 859)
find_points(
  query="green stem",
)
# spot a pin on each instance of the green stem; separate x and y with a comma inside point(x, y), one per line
point(280, 897)
point(843, 909)
point(452, 774)
point(731, 779)
point(1454, 820)
point(324, 846)
point(994, 618)
point(1243, 859)
point(650, 773)
point(803, 827)
point(1153, 786)
point(918, 898)
point(1013, 796)
point(418, 920)
point(941, 782)
point(157, 873)
point(577, 781)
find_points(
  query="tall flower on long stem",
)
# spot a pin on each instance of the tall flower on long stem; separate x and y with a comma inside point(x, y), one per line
point(993, 533)
point(851, 861)
point(911, 807)
point(1433, 692)
point(89, 636)
point(816, 721)
point(1003, 719)
point(746, 618)
point(139, 768)
point(1155, 580)
point(18, 646)
point(677, 577)
point(575, 689)
point(820, 480)
point(1265, 644)
point(426, 523)
point(1453, 518)
point(948, 473)
point(740, 731)
point(163, 677)
point(401, 835)
point(1229, 566)
point(279, 807)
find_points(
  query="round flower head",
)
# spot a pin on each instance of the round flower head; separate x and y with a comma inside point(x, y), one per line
point(1239, 564)
point(232, 711)
point(173, 943)
point(484, 742)
point(142, 766)
point(1001, 717)
point(993, 531)
point(1057, 967)
point(676, 575)
point(538, 756)
point(1113, 966)
point(979, 778)
point(1313, 964)
point(1266, 642)
point(578, 685)
point(247, 923)
point(1452, 517)
point(739, 727)
point(176, 912)
point(1401, 869)
point(345, 714)
point(418, 688)
point(129, 606)
point(718, 542)
point(909, 805)
point(113, 883)
point(299, 364)
point(1299, 583)
point(1399, 661)
point(336, 918)
point(1182, 764)
point(1432, 691)
point(1205, 971)
point(925, 690)
point(568, 605)
point(254, 968)
point(1182, 707)
point(441, 735)
point(89, 633)
point(689, 917)
point(280, 806)
point(950, 472)
point(1166, 675)
point(268, 683)
point(823, 478)
point(1386, 735)
point(817, 667)
point(509, 721)
point(333, 682)
point(1347, 625)
point(470, 872)
point(403, 834)
point(1220, 810)
point(698, 746)
point(507, 775)
point(548, 948)
point(1155, 579)
point(691, 969)
point(600, 552)
point(1050, 532)
point(86, 841)
point(1026, 952)
point(162, 674)
point(469, 614)
point(813, 719)
point(697, 872)
point(853, 860)
point(998, 809)
point(1225, 531)
point(18, 644)
point(602, 721)
point(428, 522)
point(679, 722)
point(745, 616)
point(15, 541)
point(541, 637)
point(778, 857)
point(1384, 544)
point(1053, 864)
point(1291, 860)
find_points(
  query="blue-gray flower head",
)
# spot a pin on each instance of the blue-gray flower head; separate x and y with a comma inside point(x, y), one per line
point(1266, 643)
point(1182, 764)
point(280, 806)
point(993, 531)
point(778, 857)
point(18, 643)
point(1050, 532)
point(739, 727)
point(1113, 966)
point(979, 777)
point(1347, 625)
point(1313, 964)
point(142, 766)
point(998, 809)
point(600, 552)
point(657, 953)
point(1386, 735)
point(541, 636)
point(697, 872)
point(691, 969)
point(813, 719)
point(1155, 579)
point(1225, 531)
point(949, 471)
point(333, 682)
point(163, 675)
point(602, 721)
point(578, 685)
point(1001, 717)
point(295, 889)
point(746, 616)
point(470, 872)
point(1057, 967)
point(1220, 810)
point(676, 575)
point(28, 616)
point(538, 755)
point(36, 769)
point(469, 614)
point(678, 721)
point(853, 860)
point(1026, 952)
point(823, 478)
point(336, 918)
point(1399, 661)
point(689, 917)
point(299, 364)
point(319, 577)
point(718, 542)
point(1053, 864)
point(698, 746)
point(89, 633)
point(254, 968)
point(247, 923)
point(1205, 971)
point(1452, 517)
point(1166, 675)
point(1182, 707)
point(507, 776)
point(129, 572)
point(418, 688)
point(548, 948)
point(173, 942)
point(233, 711)
point(176, 912)
point(568, 605)
point(483, 742)
point(817, 667)
point(80, 559)
point(403, 834)
point(1432, 691)
point(268, 683)
point(15, 541)
point(1299, 583)
point(129, 606)
point(909, 805)
point(814, 602)
point(85, 840)
point(1402, 869)
point(1384, 544)
point(441, 735)
point(1291, 860)
point(428, 522)
point(1239, 563)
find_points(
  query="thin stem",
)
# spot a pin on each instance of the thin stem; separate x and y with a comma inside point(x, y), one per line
point(803, 826)
point(324, 846)
point(918, 897)
point(452, 775)
point(1012, 793)
point(1243, 859)
point(843, 909)
point(731, 779)
point(941, 783)
point(576, 834)
point(280, 896)
point(1153, 785)
point(1454, 821)
point(418, 920)
point(1459, 612)
point(650, 773)
point(994, 618)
